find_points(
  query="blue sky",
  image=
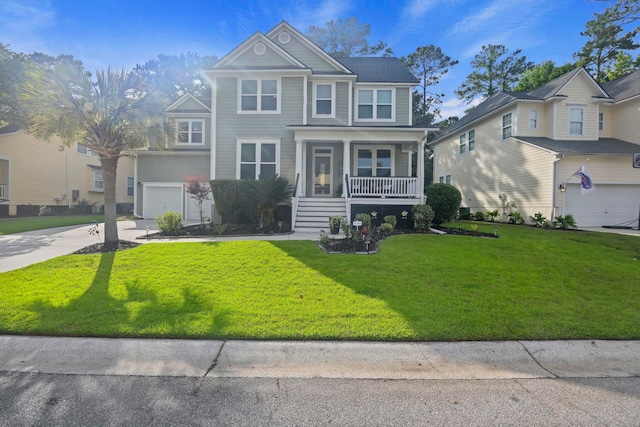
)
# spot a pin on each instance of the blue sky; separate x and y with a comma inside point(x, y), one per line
point(120, 33)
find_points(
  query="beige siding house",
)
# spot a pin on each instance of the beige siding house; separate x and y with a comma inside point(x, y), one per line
point(39, 177)
point(520, 151)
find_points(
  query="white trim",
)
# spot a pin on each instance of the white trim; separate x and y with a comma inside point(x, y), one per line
point(94, 188)
point(314, 105)
point(410, 107)
point(135, 181)
point(305, 96)
point(503, 127)
point(442, 179)
point(373, 149)
point(375, 105)
point(249, 43)
point(133, 187)
point(259, 48)
point(258, 142)
point(214, 139)
point(189, 133)
point(8, 159)
point(582, 108)
point(350, 107)
point(181, 101)
point(313, 170)
point(258, 95)
point(537, 119)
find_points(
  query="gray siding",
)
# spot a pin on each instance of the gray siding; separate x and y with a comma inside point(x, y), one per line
point(168, 167)
point(342, 106)
point(231, 125)
point(303, 54)
point(403, 110)
point(269, 59)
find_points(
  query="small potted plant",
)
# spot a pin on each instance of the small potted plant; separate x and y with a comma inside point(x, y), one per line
point(334, 224)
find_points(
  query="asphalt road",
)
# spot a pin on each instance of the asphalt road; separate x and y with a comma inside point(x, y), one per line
point(32, 399)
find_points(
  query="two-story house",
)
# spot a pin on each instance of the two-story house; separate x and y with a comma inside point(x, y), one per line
point(339, 129)
point(520, 151)
point(39, 177)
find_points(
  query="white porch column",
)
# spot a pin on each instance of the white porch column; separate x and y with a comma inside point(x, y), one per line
point(299, 169)
point(346, 163)
point(420, 169)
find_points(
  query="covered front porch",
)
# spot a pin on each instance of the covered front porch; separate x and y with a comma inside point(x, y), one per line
point(358, 165)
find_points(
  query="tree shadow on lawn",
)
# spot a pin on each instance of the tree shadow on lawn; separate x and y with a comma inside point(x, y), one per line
point(141, 313)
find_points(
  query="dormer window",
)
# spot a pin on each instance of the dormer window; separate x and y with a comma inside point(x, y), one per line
point(506, 126)
point(259, 96)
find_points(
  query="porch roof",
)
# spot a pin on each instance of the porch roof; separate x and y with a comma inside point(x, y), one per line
point(360, 133)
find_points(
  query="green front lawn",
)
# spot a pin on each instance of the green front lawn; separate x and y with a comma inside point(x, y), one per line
point(20, 225)
point(528, 284)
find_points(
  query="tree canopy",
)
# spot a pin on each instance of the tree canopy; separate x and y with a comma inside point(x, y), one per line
point(494, 69)
point(540, 75)
point(175, 75)
point(346, 38)
point(429, 64)
point(110, 114)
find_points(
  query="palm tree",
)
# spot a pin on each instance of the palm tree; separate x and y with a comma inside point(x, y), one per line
point(265, 194)
point(111, 115)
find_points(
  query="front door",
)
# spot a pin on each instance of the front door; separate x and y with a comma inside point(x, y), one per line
point(322, 171)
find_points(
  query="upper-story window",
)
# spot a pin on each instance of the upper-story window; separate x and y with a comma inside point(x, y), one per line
point(533, 119)
point(190, 132)
point(506, 126)
point(83, 149)
point(468, 141)
point(576, 121)
point(324, 95)
point(375, 104)
point(259, 96)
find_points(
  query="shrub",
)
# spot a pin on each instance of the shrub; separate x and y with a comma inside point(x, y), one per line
point(264, 194)
point(170, 223)
point(566, 222)
point(445, 200)
point(227, 198)
point(365, 218)
point(386, 227)
point(83, 207)
point(422, 216)
point(491, 215)
point(515, 217)
point(391, 219)
point(538, 220)
point(478, 216)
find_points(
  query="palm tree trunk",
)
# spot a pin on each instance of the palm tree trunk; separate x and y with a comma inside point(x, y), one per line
point(109, 166)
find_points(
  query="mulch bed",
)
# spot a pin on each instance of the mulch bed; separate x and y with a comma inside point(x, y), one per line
point(99, 248)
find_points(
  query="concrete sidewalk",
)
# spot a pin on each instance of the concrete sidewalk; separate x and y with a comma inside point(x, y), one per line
point(317, 359)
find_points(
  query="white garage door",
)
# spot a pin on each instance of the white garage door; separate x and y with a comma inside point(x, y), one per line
point(160, 199)
point(609, 204)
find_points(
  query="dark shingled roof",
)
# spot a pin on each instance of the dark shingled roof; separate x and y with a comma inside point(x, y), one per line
point(602, 146)
point(5, 130)
point(379, 70)
point(624, 88)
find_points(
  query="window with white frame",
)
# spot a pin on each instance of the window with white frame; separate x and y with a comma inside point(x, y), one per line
point(190, 132)
point(445, 179)
point(506, 126)
point(323, 100)
point(130, 185)
point(257, 159)
point(375, 104)
point(576, 121)
point(98, 183)
point(601, 121)
point(533, 119)
point(468, 141)
point(374, 161)
point(83, 149)
point(463, 143)
point(259, 96)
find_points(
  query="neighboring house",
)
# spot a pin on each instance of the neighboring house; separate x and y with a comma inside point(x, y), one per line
point(340, 130)
point(39, 177)
point(519, 151)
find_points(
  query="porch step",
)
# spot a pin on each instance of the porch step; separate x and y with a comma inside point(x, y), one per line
point(313, 213)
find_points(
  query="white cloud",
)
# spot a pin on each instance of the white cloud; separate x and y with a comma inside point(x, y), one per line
point(457, 107)
point(21, 22)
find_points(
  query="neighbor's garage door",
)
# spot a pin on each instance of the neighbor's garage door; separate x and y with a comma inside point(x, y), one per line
point(160, 199)
point(609, 204)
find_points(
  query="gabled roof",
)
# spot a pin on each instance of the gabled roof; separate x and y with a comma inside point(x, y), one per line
point(379, 70)
point(225, 61)
point(285, 26)
point(189, 97)
point(624, 87)
point(543, 93)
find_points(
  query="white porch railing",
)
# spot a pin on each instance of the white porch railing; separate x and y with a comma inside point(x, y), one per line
point(3, 191)
point(383, 186)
